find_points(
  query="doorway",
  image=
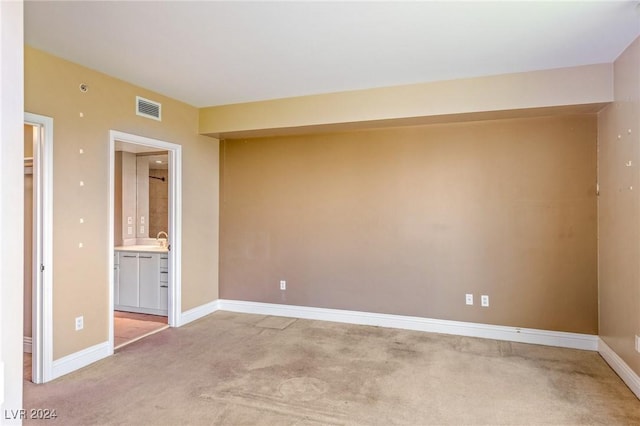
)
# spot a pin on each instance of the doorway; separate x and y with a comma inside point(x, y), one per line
point(38, 301)
point(144, 237)
point(28, 266)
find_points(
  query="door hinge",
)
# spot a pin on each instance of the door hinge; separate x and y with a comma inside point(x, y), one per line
point(41, 268)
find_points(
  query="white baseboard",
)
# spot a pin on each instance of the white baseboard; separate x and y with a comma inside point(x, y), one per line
point(198, 312)
point(488, 331)
point(589, 342)
point(27, 344)
point(97, 352)
point(620, 367)
point(77, 360)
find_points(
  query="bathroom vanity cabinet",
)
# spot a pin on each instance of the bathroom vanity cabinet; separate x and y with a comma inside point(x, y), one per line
point(141, 282)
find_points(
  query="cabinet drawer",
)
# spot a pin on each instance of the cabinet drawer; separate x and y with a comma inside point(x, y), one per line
point(164, 277)
point(164, 298)
point(164, 262)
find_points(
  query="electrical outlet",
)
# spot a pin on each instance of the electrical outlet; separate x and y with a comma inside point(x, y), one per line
point(79, 323)
point(469, 299)
point(484, 300)
point(129, 230)
point(142, 229)
point(637, 343)
point(283, 285)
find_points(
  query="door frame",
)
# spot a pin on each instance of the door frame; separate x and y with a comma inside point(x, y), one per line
point(175, 223)
point(42, 281)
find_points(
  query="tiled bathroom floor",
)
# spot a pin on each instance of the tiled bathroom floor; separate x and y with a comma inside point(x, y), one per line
point(129, 327)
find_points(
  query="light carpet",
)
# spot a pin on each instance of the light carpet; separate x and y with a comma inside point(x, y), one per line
point(240, 369)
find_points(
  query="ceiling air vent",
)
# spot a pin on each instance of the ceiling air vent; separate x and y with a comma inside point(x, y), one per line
point(147, 108)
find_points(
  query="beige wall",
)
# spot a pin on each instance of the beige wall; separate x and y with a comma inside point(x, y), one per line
point(81, 275)
point(619, 211)
point(547, 89)
point(28, 141)
point(408, 220)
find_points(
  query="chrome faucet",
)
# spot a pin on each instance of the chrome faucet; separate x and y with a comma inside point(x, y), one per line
point(162, 242)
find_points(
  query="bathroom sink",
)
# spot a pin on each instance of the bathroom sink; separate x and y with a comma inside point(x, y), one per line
point(148, 248)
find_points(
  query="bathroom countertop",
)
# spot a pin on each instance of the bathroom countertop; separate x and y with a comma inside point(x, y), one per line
point(142, 248)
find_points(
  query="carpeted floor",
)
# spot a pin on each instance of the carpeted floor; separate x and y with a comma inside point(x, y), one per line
point(239, 369)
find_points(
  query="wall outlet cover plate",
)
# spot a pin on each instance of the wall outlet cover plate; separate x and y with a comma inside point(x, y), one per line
point(484, 300)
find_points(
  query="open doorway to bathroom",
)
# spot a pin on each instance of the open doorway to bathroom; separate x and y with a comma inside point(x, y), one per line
point(145, 238)
point(140, 235)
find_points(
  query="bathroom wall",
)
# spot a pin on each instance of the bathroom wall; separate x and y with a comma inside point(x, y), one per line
point(142, 197)
point(158, 202)
point(125, 198)
point(138, 196)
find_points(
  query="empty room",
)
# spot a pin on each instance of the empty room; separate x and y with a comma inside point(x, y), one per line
point(320, 212)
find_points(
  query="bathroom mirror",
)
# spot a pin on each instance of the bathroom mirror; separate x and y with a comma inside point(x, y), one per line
point(158, 194)
point(141, 194)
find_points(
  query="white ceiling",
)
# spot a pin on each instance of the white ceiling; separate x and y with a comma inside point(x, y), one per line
point(213, 53)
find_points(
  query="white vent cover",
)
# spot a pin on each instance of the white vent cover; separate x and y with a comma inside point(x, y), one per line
point(149, 109)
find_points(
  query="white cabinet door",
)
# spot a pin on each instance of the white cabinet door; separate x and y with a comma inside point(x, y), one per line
point(149, 280)
point(128, 280)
